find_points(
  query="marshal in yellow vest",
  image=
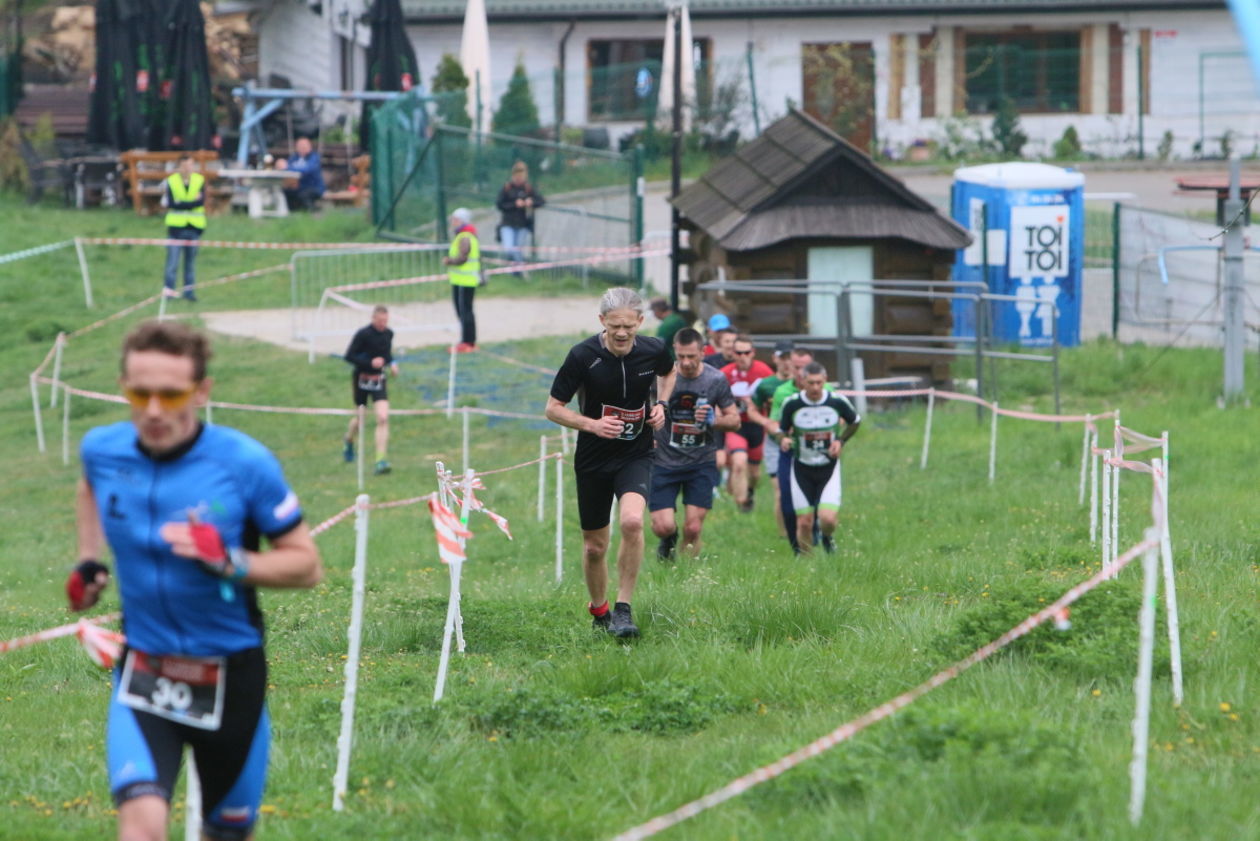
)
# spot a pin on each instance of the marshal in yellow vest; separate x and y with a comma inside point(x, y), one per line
point(183, 218)
point(467, 273)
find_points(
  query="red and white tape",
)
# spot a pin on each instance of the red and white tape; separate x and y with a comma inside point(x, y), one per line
point(54, 633)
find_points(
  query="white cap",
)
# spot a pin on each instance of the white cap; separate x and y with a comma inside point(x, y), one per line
point(463, 214)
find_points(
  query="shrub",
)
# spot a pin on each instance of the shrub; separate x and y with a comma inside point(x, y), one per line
point(1007, 134)
point(450, 86)
point(1068, 147)
point(517, 113)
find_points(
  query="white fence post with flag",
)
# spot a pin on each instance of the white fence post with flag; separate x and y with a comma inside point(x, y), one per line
point(451, 535)
point(359, 578)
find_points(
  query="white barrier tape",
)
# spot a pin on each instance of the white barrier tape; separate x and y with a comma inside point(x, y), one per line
point(517, 466)
point(846, 731)
point(14, 256)
point(510, 361)
point(315, 246)
point(54, 633)
point(1136, 437)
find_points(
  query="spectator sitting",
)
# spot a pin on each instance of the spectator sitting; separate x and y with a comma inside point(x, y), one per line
point(310, 185)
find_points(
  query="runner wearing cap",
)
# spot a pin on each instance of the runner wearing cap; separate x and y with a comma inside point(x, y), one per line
point(686, 446)
point(744, 446)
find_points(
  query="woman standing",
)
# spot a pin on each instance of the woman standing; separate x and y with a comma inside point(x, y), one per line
point(517, 202)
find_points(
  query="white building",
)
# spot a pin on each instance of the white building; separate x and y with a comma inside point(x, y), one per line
point(889, 74)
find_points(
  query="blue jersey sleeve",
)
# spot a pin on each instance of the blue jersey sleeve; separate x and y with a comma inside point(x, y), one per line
point(273, 506)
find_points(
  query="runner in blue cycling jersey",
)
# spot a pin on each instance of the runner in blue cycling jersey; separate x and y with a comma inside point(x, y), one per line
point(182, 508)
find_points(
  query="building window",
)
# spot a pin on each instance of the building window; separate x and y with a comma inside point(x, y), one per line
point(624, 77)
point(1038, 71)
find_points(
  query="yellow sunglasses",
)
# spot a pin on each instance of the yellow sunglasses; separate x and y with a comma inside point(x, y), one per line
point(169, 399)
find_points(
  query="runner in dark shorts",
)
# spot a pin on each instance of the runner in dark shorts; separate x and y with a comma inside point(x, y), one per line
point(371, 352)
point(686, 446)
point(613, 374)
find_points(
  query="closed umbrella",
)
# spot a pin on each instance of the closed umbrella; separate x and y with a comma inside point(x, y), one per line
point(474, 56)
point(149, 35)
point(665, 100)
point(114, 112)
point(189, 119)
point(391, 60)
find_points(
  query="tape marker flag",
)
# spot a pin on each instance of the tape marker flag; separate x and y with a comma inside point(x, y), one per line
point(104, 647)
point(449, 530)
point(1247, 14)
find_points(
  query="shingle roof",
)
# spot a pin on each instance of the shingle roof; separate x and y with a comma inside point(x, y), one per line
point(800, 179)
point(564, 9)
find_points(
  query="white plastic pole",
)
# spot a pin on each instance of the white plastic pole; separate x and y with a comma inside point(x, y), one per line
point(927, 429)
point(1142, 683)
point(209, 413)
point(564, 440)
point(542, 476)
point(1106, 507)
point(39, 420)
point(559, 520)
point(450, 384)
point(161, 316)
point(469, 476)
point(192, 801)
point(1115, 512)
point(1093, 489)
point(464, 425)
point(362, 437)
point(857, 371)
point(358, 577)
point(83, 270)
point(1080, 496)
point(452, 608)
point(1170, 583)
point(65, 427)
point(56, 377)
point(993, 445)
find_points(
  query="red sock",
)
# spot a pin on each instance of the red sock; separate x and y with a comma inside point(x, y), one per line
point(597, 611)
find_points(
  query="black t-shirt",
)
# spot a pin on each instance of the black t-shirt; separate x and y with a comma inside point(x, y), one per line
point(368, 344)
point(606, 384)
point(717, 360)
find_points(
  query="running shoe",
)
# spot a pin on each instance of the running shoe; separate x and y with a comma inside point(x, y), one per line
point(622, 625)
point(665, 549)
point(382, 467)
point(168, 292)
point(189, 295)
point(829, 544)
point(600, 622)
point(347, 451)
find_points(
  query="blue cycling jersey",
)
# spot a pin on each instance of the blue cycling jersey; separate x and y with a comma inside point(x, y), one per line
point(170, 605)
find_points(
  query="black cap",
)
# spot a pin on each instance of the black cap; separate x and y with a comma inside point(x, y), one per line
point(782, 347)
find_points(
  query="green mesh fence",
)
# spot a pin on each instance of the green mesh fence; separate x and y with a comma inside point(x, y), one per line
point(10, 82)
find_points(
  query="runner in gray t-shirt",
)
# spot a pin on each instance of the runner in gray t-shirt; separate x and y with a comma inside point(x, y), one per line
point(686, 446)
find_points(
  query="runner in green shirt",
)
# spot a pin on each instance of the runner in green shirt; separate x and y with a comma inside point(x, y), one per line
point(671, 322)
point(767, 405)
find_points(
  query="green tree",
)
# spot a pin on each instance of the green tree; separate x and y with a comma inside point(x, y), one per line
point(450, 86)
point(517, 113)
point(1008, 135)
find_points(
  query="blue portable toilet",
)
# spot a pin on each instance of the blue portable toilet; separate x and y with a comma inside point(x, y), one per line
point(1028, 221)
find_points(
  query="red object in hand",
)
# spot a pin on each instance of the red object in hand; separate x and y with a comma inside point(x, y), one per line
point(85, 573)
point(208, 541)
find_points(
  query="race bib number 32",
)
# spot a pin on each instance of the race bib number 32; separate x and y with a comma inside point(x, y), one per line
point(631, 420)
point(186, 690)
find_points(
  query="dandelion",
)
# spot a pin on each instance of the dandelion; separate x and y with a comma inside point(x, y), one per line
point(1225, 707)
point(1096, 693)
point(266, 809)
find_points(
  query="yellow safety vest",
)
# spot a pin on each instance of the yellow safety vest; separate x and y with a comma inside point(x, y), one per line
point(183, 218)
point(467, 273)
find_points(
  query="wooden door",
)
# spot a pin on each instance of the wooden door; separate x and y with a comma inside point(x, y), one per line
point(838, 87)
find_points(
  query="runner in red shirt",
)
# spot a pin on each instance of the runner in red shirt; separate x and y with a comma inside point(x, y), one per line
point(744, 448)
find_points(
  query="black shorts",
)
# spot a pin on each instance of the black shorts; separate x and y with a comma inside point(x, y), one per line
point(596, 488)
point(145, 750)
point(696, 483)
point(361, 394)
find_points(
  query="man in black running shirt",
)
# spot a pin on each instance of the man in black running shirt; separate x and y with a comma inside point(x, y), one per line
point(613, 374)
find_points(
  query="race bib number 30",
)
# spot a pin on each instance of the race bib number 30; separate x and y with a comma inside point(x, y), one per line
point(687, 436)
point(631, 420)
point(186, 690)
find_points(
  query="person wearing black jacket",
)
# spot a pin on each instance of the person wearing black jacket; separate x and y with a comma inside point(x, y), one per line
point(369, 352)
point(517, 201)
point(614, 374)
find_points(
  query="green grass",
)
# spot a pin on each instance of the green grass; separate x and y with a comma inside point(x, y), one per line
point(549, 732)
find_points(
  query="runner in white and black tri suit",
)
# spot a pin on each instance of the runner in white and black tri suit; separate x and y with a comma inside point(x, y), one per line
point(686, 446)
point(613, 374)
point(815, 425)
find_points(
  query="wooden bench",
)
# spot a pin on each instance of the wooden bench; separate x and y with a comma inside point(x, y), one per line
point(145, 174)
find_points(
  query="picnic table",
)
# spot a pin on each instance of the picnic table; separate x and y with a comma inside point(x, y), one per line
point(264, 189)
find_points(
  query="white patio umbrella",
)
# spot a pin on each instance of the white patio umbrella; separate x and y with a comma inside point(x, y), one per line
point(474, 56)
point(665, 100)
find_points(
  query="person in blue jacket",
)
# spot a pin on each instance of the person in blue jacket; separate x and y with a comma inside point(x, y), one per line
point(310, 185)
point(183, 508)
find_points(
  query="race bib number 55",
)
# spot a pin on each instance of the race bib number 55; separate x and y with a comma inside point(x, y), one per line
point(687, 436)
point(186, 690)
point(631, 420)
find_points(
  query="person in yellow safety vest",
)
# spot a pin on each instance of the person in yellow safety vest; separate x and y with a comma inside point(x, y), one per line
point(185, 202)
point(464, 272)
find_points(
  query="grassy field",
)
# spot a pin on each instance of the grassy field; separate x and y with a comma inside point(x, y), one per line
point(548, 731)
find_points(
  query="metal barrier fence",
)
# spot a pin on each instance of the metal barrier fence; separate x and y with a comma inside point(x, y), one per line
point(854, 303)
point(1168, 279)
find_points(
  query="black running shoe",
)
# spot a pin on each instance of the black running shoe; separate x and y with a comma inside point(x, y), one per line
point(600, 623)
point(829, 544)
point(622, 624)
point(665, 549)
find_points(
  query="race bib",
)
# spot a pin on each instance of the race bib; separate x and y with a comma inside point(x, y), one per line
point(371, 382)
point(631, 420)
point(186, 690)
point(688, 436)
point(817, 442)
